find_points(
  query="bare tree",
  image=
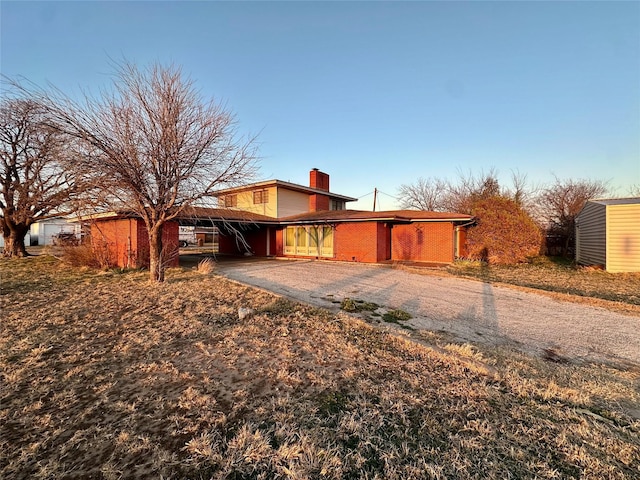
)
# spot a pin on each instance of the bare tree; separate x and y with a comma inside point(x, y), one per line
point(153, 145)
point(469, 189)
point(33, 184)
point(634, 190)
point(436, 194)
point(561, 202)
point(426, 194)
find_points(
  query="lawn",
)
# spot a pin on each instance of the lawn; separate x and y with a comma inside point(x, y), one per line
point(107, 376)
point(616, 291)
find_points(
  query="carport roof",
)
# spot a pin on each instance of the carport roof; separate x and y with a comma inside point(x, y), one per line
point(199, 214)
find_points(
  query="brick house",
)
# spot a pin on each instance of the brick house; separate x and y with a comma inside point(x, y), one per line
point(282, 219)
point(313, 222)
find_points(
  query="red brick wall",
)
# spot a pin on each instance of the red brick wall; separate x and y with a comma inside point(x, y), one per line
point(227, 243)
point(257, 240)
point(126, 243)
point(115, 240)
point(319, 180)
point(423, 242)
point(318, 203)
point(170, 245)
point(361, 242)
point(384, 242)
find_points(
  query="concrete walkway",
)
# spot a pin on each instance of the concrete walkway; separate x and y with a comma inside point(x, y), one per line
point(468, 310)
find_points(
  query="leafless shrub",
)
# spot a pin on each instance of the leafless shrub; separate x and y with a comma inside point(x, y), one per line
point(87, 255)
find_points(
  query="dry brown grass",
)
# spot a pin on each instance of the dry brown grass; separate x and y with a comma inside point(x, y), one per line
point(107, 376)
point(559, 276)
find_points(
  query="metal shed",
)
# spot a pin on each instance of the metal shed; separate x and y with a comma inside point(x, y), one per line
point(608, 234)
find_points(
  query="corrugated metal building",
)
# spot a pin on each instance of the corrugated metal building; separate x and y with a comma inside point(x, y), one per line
point(608, 234)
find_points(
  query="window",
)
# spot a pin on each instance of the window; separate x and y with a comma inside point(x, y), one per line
point(260, 196)
point(336, 204)
point(231, 200)
point(301, 237)
point(290, 240)
point(313, 241)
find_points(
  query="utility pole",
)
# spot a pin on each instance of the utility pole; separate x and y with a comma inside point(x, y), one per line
point(375, 194)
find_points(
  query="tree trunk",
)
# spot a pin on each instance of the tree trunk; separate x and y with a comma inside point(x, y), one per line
point(156, 263)
point(14, 242)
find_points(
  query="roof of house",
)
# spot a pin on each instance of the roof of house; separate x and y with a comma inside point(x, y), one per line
point(363, 216)
point(281, 184)
point(616, 201)
point(224, 214)
point(195, 215)
point(204, 215)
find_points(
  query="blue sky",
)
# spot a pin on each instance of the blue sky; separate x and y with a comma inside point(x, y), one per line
point(376, 94)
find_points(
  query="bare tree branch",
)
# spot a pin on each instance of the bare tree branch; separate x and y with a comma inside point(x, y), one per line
point(561, 202)
point(426, 194)
point(34, 184)
point(153, 145)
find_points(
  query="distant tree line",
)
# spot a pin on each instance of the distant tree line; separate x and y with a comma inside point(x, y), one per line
point(527, 218)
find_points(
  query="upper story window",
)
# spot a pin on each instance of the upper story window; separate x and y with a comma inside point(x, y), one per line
point(260, 196)
point(231, 200)
point(336, 204)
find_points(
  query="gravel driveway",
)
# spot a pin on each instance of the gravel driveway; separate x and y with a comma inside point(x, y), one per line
point(469, 310)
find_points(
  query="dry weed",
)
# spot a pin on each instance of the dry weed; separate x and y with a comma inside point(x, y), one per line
point(206, 266)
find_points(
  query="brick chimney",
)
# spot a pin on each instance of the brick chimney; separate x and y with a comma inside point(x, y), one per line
point(318, 180)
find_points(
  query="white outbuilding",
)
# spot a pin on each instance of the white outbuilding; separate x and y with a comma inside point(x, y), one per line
point(608, 234)
point(45, 232)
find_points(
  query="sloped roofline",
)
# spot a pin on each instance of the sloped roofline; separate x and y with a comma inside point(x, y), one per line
point(396, 216)
point(616, 201)
point(281, 183)
point(198, 214)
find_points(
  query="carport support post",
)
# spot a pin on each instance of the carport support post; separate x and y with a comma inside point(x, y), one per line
point(268, 241)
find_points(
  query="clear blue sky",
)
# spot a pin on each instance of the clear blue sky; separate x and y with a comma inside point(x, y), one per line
point(376, 94)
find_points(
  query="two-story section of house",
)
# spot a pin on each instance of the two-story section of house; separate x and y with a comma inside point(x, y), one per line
point(278, 199)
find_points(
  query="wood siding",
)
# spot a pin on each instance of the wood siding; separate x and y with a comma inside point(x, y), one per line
point(291, 202)
point(623, 238)
point(591, 241)
point(245, 202)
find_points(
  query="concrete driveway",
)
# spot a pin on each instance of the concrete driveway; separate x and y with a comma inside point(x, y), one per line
point(468, 310)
